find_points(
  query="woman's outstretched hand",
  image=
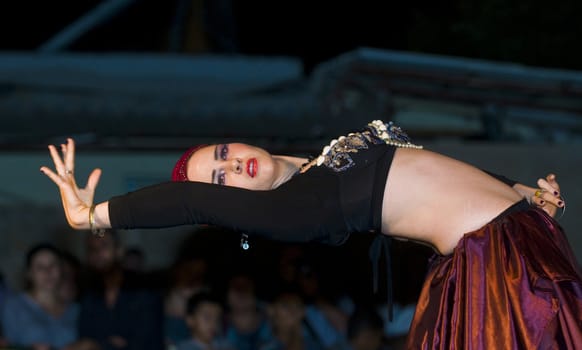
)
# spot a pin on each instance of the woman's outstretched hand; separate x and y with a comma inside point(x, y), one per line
point(547, 196)
point(76, 201)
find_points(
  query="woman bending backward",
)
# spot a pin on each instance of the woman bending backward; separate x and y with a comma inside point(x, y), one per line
point(503, 276)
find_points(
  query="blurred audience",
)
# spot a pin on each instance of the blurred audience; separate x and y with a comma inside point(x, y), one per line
point(110, 302)
point(39, 317)
point(246, 324)
point(187, 277)
point(286, 314)
point(204, 318)
point(323, 317)
point(327, 321)
point(117, 310)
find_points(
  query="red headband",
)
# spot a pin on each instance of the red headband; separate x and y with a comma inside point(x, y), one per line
point(180, 172)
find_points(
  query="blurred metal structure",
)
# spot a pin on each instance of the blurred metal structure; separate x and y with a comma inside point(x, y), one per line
point(154, 101)
point(137, 101)
point(468, 97)
point(75, 30)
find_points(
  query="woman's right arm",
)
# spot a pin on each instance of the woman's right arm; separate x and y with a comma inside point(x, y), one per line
point(286, 213)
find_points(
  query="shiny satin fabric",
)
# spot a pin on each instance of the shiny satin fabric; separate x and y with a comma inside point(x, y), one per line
point(513, 284)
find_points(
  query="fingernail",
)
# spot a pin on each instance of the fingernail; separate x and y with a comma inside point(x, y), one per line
point(556, 193)
point(542, 202)
point(560, 203)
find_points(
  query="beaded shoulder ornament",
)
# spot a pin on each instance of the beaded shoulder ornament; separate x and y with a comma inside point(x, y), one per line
point(336, 155)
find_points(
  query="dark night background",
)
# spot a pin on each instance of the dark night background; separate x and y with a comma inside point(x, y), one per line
point(532, 32)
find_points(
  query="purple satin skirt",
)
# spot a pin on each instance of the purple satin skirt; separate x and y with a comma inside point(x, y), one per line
point(512, 284)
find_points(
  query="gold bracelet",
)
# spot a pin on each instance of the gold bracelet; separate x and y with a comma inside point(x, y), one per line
point(92, 227)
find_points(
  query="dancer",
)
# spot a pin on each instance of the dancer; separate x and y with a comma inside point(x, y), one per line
point(499, 260)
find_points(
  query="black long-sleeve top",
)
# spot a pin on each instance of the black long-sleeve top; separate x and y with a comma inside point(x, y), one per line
point(320, 205)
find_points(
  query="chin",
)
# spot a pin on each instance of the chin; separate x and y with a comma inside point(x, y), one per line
point(261, 186)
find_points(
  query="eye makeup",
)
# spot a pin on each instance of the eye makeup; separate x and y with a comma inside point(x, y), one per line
point(220, 153)
point(218, 177)
point(223, 151)
point(221, 178)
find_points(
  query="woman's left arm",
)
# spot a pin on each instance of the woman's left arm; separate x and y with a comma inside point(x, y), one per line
point(547, 196)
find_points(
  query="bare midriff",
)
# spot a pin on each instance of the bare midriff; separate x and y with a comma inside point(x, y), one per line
point(434, 199)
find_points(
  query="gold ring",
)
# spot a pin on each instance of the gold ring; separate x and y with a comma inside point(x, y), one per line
point(538, 193)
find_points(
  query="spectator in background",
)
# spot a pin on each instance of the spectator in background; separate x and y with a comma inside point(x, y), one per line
point(117, 311)
point(286, 313)
point(204, 318)
point(323, 317)
point(39, 318)
point(187, 277)
point(246, 325)
point(326, 320)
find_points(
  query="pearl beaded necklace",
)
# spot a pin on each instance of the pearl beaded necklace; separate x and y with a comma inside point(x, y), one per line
point(336, 154)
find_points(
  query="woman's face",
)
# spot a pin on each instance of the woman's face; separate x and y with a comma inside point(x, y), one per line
point(45, 271)
point(233, 164)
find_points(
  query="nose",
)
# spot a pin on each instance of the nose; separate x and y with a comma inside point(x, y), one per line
point(237, 166)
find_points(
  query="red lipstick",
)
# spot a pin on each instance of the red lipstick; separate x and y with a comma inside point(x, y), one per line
point(252, 167)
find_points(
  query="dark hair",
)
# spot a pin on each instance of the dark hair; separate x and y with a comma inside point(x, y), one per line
point(32, 252)
point(201, 297)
